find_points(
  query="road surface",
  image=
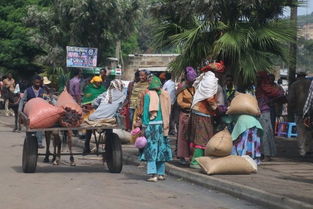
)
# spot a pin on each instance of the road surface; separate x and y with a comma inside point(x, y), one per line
point(89, 185)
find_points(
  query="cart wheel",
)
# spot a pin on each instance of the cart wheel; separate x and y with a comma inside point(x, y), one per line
point(30, 151)
point(113, 153)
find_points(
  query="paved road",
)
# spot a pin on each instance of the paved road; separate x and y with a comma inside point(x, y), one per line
point(89, 185)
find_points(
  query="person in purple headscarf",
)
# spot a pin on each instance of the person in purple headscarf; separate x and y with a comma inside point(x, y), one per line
point(184, 101)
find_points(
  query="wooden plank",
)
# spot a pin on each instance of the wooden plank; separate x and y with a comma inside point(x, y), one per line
point(71, 129)
point(25, 119)
point(75, 153)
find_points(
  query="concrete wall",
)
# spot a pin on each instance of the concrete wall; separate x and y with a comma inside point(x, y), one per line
point(156, 61)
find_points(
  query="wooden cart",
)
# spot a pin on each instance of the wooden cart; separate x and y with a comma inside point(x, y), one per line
point(112, 153)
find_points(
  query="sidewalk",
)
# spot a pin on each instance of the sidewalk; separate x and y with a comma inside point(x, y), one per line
point(286, 182)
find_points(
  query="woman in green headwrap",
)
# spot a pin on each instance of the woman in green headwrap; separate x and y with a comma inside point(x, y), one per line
point(93, 90)
point(155, 120)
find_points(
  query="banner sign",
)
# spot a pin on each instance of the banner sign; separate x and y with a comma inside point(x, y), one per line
point(81, 57)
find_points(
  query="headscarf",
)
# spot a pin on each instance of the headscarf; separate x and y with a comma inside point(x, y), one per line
point(115, 84)
point(91, 92)
point(206, 86)
point(155, 83)
point(191, 74)
point(96, 79)
point(214, 66)
point(262, 77)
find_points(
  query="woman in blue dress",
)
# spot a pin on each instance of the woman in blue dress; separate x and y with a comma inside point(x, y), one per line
point(155, 122)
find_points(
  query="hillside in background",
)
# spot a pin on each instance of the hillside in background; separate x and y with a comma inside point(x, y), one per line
point(305, 19)
point(305, 24)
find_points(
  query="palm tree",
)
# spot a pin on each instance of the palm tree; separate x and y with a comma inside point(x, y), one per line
point(246, 35)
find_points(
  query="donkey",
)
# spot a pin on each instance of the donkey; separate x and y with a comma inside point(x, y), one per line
point(56, 147)
point(67, 136)
point(14, 99)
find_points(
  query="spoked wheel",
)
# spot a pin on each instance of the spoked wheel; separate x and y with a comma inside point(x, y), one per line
point(113, 153)
point(30, 151)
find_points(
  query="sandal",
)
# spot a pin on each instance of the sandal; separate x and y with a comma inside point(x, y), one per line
point(153, 179)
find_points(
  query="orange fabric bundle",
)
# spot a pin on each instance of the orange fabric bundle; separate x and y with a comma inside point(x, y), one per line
point(41, 114)
point(214, 66)
point(66, 100)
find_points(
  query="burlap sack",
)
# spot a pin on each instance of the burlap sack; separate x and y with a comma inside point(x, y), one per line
point(227, 165)
point(220, 145)
point(244, 104)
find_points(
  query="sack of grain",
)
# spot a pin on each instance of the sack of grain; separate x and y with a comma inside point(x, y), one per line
point(227, 165)
point(66, 100)
point(41, 114)
point(244, 104)
point(73, 116)
point(220, 145)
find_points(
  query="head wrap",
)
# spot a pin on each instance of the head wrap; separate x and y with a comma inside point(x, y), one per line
point(115, 84)
point(191, 74)
point(96, 79)
point(215, 67)
point(155, 84)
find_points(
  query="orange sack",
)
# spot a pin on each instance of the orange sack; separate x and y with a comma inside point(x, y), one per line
point(66, 100)
point(41, 114)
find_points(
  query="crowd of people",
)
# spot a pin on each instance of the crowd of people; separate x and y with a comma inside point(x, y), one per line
point(193, 110)
point(198, 111)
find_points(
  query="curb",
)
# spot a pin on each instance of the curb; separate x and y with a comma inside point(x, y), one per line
point(254, 195)
point(258, 196)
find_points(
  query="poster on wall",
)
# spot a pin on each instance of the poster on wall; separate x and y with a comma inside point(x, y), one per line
point(81, 57)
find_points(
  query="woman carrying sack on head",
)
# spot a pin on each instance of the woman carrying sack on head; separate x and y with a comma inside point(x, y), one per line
point(184, 101)
point(203, 109)
point(155, 122)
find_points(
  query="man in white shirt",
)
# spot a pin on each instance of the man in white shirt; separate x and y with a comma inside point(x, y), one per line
point(170, 87)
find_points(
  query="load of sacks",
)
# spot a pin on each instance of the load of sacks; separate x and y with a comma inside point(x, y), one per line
point(218, 158)
point(42, 114)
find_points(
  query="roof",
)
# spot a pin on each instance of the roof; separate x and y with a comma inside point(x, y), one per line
point(153, 55)
point(154, 69)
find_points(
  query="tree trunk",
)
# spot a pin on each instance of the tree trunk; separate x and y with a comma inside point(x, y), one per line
point(293, 47)
point(118, 50)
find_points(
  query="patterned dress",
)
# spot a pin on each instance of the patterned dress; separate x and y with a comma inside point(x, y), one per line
point(248, 143)
point(157, 149)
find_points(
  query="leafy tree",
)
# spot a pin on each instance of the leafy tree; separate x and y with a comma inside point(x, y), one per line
point(17, 52)
point(86, 23)
point(244, 34)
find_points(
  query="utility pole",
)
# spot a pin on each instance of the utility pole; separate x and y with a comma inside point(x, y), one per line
point(293, 46)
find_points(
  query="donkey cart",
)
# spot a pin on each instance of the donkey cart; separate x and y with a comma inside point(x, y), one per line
point(111, 154)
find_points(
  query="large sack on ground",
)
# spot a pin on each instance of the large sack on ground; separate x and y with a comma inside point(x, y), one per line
point(244, 104)
point(220, 144)
point(227, 165)
point(41, 114)
point(66, 100)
